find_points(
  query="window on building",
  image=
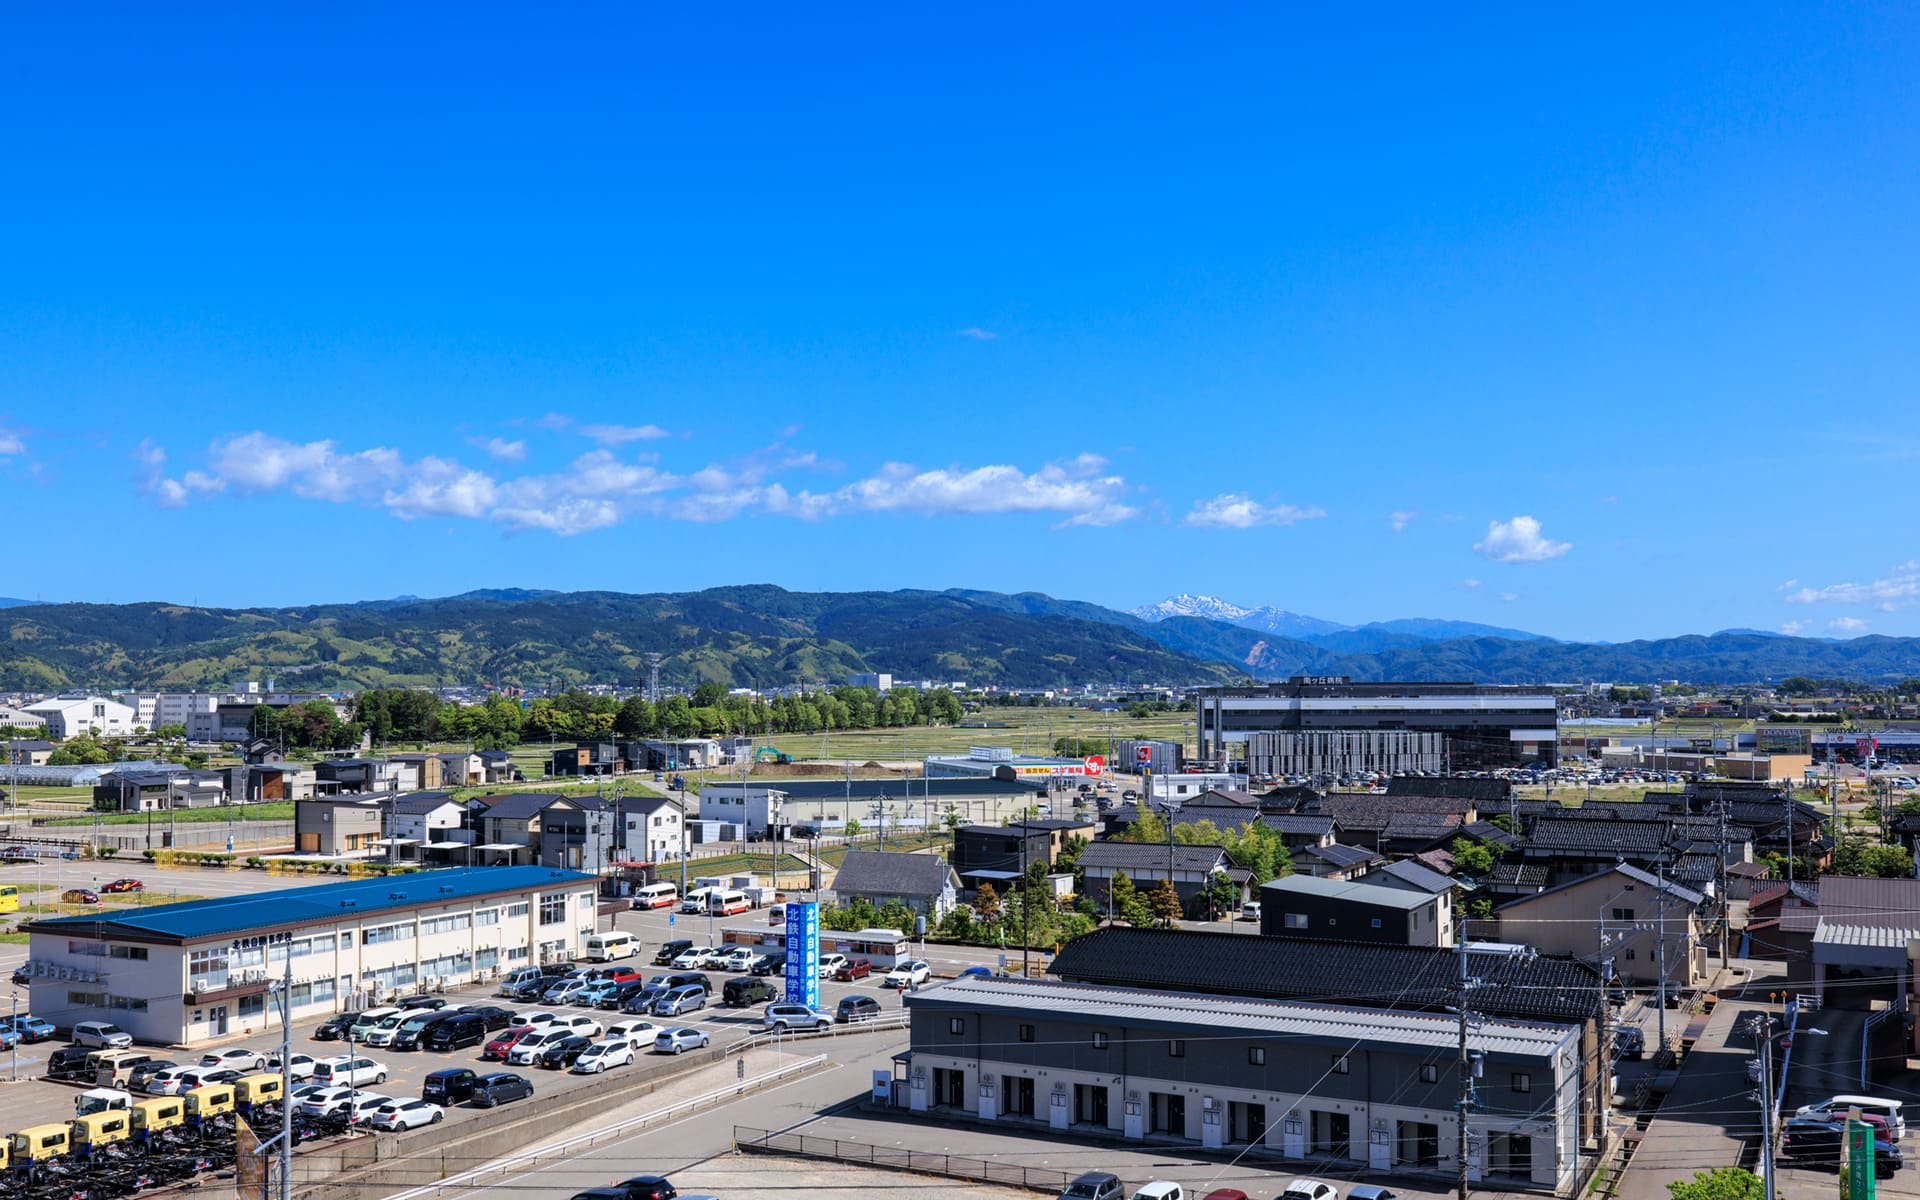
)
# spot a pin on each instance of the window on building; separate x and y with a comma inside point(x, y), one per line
point(1099, 1041)
point(1340, 1064)
point(127, 1003)
point(346, 941)
point(1293, 920)
point(377, 935)
point(1026, 1033)
point(135, 953)
point(956, 1025)
point(553, 909)
point(207, 965)
point(1630, 954)
point(252, 1006)
point(487, 916)
point(517, 910)
point(87, 999)
point(1522, 1081)
point(516, 954)
point(1429, 1073)
point(1375, 922)
point(1176, 1048)
point(1623, 914)
point(1256, 1056)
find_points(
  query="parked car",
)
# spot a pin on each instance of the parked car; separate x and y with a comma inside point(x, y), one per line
point(334, 1028)
point(1310, 1189)
point(976, 973)
point(69, 1062)
point(322, 1101)
point(119, 886)
point(498, 1047)
point(177, 1081)
point(141, 1075)
point(637, 1034)
point(101, 1035)
point(794, 1016)
point(642, 1001)
point(739, 993)
point(361, 1105)
point(579, 1024)
point(830, 965)
point(853, 1009)
point(621, 993)
point(527, 1051)
point(535, 1016)
point(299, 1066)
point(33, 1029)
point(646, 1187)
point(564, 1053)
point(451, 1086)
point(737, 958)
point(406, 1114)
point(692, 957)
point(907, 974)
point(597, 993)
point(599, 1056)
point(80, 896)
point(678, 1041)
point(499, 1088)
point(1815, 1140)
point(852, 969)
point(564, 991)
point(453, 1030)
point(349, 1070)
point(671, 950)
point(418, 1001)
point(681, 1000)
point(1094, 1185)
point(768, 964)
point(240, 1059)
point(492, 1017)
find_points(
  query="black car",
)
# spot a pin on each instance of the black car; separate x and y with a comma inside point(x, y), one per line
point(562, 1053)
point(1816, 1140)
point(335, 1028)
point(451, 1086)
point(622, 994)
point(857, 1008)
point(683, 978)
point(454, 1030)
point(769, 964)
point(641, 1002)
point(68, 1062)
point(406, 1003)
point(646, 1187)
point(500, 1087)
point(670, 951)
point(492, 1016)
point(414, 1031)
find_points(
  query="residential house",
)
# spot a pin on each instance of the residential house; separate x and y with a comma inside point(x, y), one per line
point(1571, 848)
point(1416, 876)
point(159, 790)
point(1299, 831)
point(925, 883)
point(587, 758)
point(1223, 808)
point(510, 824)
point(651, 829)
point(356, 775)
point(335, 826)
point(262, 782)
point(461, 768)
point(421, 821)
point(1651, 925)
point(1301, 906)
point(580, 834)
point(1147, 865)
point(30, 752)
point(999, 854)
point(1332, 860)
point(496, 766)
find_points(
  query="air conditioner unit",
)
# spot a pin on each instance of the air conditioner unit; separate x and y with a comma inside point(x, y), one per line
point(200, 985)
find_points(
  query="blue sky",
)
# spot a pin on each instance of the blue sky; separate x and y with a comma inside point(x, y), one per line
point(1598, 324)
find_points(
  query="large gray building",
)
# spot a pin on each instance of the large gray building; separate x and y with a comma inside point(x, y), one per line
point(1484, 725)
point(1358, 1088)
point(1317, 752)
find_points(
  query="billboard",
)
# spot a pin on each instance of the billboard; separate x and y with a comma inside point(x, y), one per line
point(1769, 739)
point(803, 954)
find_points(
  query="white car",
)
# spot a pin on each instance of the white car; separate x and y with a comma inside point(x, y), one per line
point(1310, 1189)
point(299, 1066)
point(406, 1114)
point(909, 973)
point(533, 1016)
point(678, 1041)
point(527, 1050)
point(614, 1052)
point(355, 1103)
point(829, 963)
point(579, 1025)
point(692, 957)
point(362, 1105)
point(343, 1070)
point(636, 1033)
point(235, 1059)
point(177, 1081)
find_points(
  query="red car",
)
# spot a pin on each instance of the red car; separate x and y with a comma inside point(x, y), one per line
point(498, 1047)
point(855, 968)
point(125, 885)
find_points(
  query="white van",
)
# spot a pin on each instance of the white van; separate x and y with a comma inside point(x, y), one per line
point(1872, 1106)
point(695, 901)
point(605, 947)
point(364, 1023)
point(727, 903)
point(656, 895)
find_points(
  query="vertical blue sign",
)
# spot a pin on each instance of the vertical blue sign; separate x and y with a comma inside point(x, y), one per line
point(803, 954)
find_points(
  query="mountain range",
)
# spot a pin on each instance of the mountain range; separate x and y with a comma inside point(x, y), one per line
point(764, 635)
point(1351, 639)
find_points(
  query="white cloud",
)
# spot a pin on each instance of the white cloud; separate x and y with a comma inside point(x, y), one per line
point(554, 422)
point(1792, 627)
point(601, 488)
point(1470, 583)
point(1847, 624)
point(1788, 586)
point(11, 443)
point(500, 449)
point(978, 334)
point(1401, 520)
point(1519, 541)
point(1900, 588)
point(1509, 597)
point(148, 454)
point(620, 435)
point(1237, 510)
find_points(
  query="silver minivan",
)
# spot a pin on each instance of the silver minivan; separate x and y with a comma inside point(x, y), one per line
point(682, 999)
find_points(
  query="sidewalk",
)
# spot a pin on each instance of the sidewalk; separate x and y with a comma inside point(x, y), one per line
point(1709, 1112)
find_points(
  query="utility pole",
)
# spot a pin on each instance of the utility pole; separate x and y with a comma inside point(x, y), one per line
point(1661, 952)
point(1464, 1067)
point(1762, 1027)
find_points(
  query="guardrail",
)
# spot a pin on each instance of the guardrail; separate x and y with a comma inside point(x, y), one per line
point(760, 1041)
point(951, 1166)
point(1867, 1027)
point(592, 1138)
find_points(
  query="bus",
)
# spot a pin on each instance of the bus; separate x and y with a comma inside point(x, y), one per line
point(9, 898)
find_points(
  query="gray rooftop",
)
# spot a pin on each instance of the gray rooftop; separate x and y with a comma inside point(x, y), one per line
point(1354, 891)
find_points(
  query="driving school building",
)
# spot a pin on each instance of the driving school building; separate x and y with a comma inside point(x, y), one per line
point(181, 974)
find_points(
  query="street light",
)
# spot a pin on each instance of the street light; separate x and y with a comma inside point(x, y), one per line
point(1762, 1027)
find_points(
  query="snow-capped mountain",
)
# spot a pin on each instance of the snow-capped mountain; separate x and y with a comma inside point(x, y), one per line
point(1184, 605)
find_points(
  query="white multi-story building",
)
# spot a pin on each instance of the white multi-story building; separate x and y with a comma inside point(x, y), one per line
point(178, 974)
point(650, 829)
point(70, 716)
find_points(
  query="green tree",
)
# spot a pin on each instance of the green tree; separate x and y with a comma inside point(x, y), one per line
point(1857, 857)
point(1125, 901)
point(1721, 1183)
point(1475, 858)
point(1797, 685)
point(853, 829)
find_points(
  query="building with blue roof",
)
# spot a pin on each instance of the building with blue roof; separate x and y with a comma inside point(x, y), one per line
point(180, 974)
